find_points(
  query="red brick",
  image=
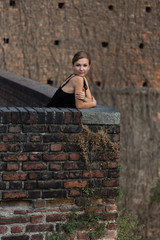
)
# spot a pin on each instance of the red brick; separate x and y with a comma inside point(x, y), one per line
point(70, 166)
point(34, 166)
point(32, 118)
point(54, 194)
point(12, 220)
point(39, 204)
point(34, 147)
point(35, 157)
point(33, 175)
point(16, 229)
point(14, 157)
point(111, 208)
point(113, 164)
point(39, 228)
point(35, 138)
point(55, 157)
point(88, 174)
point(21, 212)
point(12, 166)
point(14, 138)
point(56, 217)
point(111, 183)
point(14, 176)
point(62, 175)
point(112, 226)
point(68, 117)
point(54, 166)
point(3, 148)
point(56, 147)
point(109, 216)
point(37, 219)
point(59, 201)
point(22, 158)
point(15, 185)
point(14, 147)
point(82, 236)
point(78, 184)
point(10, 138)
point(14, 129)
point(74, 156)
point(25, 237)
point(3, 229)
point(116, 138)
point(74, 193)
point(37, 237)
point(14, 195)
point(30, 185)
point(77, 118)
point(74, 174)
point(97, 174)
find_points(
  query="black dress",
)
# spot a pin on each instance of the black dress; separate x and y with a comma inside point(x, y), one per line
point(63, 99)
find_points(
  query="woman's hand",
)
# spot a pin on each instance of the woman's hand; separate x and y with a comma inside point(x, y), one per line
point(83, 98)
point(80, 95)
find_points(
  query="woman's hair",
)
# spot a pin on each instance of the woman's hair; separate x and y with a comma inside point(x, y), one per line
point(80, 55)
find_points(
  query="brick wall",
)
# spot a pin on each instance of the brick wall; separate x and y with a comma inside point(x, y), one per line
point(43, 170)
point(39, 38)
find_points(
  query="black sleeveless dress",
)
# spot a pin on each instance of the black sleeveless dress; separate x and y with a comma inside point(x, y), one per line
point(63, 99)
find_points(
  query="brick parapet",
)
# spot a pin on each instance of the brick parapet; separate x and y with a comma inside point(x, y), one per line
point(43, 171)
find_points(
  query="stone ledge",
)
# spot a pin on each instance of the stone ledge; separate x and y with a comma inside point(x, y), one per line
point(99, 115)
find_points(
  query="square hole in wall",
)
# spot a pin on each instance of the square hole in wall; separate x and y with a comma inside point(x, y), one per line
point(105, 44)
point(56, 42)
point(49, 82)
point(98, 83)
point(12, 3)
point(148, 9)
point(141, 45)
point(111, 7)
point(6, 40)
point(61, 4)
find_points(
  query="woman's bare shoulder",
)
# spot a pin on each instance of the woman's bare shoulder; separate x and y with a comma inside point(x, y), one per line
point(77, 79)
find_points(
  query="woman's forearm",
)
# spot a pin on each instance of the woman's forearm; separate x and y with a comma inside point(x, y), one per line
point(87, 99)
point(86, 104)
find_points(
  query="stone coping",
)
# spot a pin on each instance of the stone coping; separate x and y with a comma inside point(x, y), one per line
point(101, 114)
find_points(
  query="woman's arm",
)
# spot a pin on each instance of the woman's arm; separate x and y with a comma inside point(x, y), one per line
point(83, 101)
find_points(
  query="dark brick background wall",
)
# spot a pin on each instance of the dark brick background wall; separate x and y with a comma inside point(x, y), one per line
point(43, 170)
point(39, 38)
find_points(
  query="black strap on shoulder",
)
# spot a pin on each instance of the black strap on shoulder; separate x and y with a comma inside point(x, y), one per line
point(84, 85)
point(67, 80)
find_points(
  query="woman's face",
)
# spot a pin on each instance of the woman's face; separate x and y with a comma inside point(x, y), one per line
point(81, 67)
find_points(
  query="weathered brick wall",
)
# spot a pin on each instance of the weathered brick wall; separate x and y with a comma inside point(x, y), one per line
point(39, 38)
point(43, 171)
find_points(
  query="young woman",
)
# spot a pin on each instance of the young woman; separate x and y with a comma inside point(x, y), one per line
point(74, 91)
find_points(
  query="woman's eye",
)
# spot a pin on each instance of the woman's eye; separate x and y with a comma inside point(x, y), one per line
point(85, 65)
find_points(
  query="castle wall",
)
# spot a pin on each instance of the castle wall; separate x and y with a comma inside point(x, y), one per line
point(39, 38)
point(43, 171)
point(139, 155)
